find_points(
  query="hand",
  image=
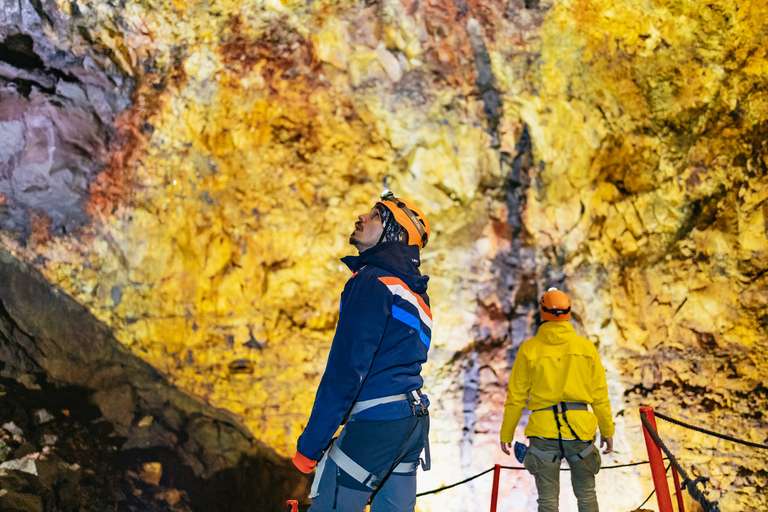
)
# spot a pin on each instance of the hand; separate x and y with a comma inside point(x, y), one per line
point(304, 464)
point(607, 442)
point(505, 447)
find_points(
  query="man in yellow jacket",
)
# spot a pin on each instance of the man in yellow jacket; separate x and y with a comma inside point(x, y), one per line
point(560, 374)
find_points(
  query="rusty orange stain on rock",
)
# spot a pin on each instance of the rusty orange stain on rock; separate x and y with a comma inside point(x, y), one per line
point(280, 53)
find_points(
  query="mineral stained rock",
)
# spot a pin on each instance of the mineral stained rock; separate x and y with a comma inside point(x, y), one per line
point(614, 149)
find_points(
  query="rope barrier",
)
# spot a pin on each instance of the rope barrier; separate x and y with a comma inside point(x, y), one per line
point(434, 491)
point(602, 468)
point(516, 468)
point(687, 483)
point(709, 432)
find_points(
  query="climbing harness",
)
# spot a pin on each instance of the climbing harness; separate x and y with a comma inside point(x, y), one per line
point(419, 406)
point(557, 410)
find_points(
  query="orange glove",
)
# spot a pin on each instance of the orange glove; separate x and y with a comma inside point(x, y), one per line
point(304, 464)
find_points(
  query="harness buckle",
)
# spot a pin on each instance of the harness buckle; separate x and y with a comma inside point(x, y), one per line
point(418, 407)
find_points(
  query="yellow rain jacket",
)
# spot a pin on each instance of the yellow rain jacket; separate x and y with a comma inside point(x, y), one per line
point(557, 365)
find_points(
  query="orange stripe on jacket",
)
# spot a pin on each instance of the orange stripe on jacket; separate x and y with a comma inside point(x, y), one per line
point(394, 281)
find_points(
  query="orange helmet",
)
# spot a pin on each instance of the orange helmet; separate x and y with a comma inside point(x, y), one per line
point(555, 306)
point(409, 216)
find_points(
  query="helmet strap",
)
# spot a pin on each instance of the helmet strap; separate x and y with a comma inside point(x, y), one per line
point(383, 234)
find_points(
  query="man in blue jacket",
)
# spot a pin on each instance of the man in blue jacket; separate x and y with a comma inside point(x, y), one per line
point(373, 375)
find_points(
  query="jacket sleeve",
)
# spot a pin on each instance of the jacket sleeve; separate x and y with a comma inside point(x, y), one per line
point(517, 393)
point(365, 311)
point(601, 406)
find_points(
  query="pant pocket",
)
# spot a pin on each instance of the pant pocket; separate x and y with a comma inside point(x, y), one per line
point(597, 463)
point(531, 463)
point(535, 465)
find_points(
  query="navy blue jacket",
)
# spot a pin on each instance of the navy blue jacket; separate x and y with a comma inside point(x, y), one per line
point(381, 341)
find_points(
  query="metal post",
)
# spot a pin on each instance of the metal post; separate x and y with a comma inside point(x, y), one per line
point(680, 506)
point(657, 464)
point(495, 490)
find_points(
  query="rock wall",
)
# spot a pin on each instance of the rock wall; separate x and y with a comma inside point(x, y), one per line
point(199, 190)
point(47, 339)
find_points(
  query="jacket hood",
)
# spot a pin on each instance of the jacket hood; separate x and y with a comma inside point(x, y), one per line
point(555, 333)
point(399, 258)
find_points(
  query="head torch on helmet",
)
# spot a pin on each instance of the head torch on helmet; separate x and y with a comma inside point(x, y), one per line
point(409, 216)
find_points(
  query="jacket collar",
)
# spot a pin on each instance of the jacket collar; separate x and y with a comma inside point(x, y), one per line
point(398, 258)
point(555, 333)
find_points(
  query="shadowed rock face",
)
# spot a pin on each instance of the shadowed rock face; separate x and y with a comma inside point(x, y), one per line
point(65, 456)
point(46, 336)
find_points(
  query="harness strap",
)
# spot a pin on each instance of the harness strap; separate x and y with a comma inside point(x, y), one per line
point(554, 457)
point(581, 455)
point(559, 434)
point(566, 406)
point(352, 468)
point(315, 490)
point(565, 417)
point(426, 462)
point(373, 402)
point(406, 467)
point(546, 456)
point(421, 411)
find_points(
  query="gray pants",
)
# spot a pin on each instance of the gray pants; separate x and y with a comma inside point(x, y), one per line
point(547, 474)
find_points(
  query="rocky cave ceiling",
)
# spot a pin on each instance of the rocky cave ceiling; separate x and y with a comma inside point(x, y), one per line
point(189, 172)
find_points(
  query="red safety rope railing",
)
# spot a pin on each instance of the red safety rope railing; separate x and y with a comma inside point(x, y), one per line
point(495, 489)
point(679, 494)
point(658, 472)
point(655, 445)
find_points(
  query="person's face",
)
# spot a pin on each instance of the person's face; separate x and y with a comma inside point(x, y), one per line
point(367, 231)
